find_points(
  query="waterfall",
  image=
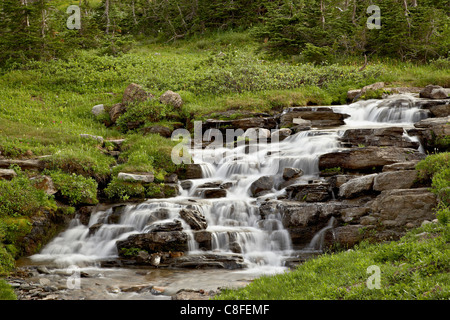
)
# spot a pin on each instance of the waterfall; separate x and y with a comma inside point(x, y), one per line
point(233, 221)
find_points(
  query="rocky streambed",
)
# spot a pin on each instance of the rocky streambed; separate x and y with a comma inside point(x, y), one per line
point(324, 177)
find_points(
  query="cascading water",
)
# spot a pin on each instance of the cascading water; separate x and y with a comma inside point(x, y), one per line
point(234, 220)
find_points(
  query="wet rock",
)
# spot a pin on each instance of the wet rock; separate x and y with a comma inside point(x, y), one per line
point(312, 192)
point(171, 178)
point(357, 186)
point(194, 219)
point(395, 180)
point(186, 184)
point(211, 193)
point(320, 117)
point(280, 134)
point(204, 239)
point(291, 173)
point(396, 208)
point(155, 242)
point(190, 171)
point(169, 226)
point(264, 183)
point(171, 98)
point(146, 178)
point(135, 93)
point(393, 136)
point(244, 124)
point(7, 174)
point(368, 158)
point(94, 228)
point(431, 131)
point(442, 110)
point(209, 261)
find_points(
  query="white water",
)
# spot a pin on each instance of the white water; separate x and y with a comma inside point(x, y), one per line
point(235, 218)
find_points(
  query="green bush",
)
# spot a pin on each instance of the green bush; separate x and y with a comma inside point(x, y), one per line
point(19, 197)
point(6, 292)
point(124, 190)
point(75, 189)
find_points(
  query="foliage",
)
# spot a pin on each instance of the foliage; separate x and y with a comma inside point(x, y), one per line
point(413, 268)
point(75, 188)
point(124, 190)
point(6, 292)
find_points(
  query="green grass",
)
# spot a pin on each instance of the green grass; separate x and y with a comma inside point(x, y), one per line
point(414, 268)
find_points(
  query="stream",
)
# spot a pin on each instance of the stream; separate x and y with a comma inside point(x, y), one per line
point(233, 221)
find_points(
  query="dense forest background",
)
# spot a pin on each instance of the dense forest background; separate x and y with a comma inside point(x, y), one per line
point(315, 31)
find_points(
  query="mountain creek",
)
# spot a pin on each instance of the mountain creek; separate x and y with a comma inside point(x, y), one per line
point(328, 177)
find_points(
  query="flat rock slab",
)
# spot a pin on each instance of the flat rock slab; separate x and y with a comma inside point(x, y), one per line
point(146, 178)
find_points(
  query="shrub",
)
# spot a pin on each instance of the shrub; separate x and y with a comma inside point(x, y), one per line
point(76, 189)
point(124, 190)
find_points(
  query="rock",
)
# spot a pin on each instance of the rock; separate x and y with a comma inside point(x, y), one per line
point(98, 109)
point(190, 171)
point(396, 208)
point(194, 219)
point(354, 94)
point(94, 228)
point(186, 184)
point(210, 193)
point(318, 116)
point(204, 239)
point(350, 215)
point(155, 242)
point(404, 179)
point(244, 124)
point(280, 134)
point(311, 192)
point(291, 173)
point(257, 133)
point(171, 98)
point(408, 165)
point(171, 178)
point(146, 178)
point(90, 136)
point(44, 183)
point(338, 180)
point(156, 129)
point(208, 261)
point(264, 183)
point(186, 294)
point(135, 93)
point(442, 110)
point(393, 136)
point(430, 131)
point(116, 111)
point(32, 164)
point(368, 158)
point(357, 186)
point(433, 92)
point(349, 235)
point(7, 174)
point(168, 226)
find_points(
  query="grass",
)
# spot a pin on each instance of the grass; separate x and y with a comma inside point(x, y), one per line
point(415, 268)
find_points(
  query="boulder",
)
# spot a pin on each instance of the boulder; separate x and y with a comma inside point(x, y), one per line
point(368, 158)
point(355, 94)
point(320, 117)
point(392, 136)
point(203, 239)
point(408, 165)
point(349, 235)
point(399, 207)
point(7, 174)
point(98, 110)
point(194, 219)
point(157, 129)
point(168, 226)
point(154, 242)
point(291, 173)
point(210, 193)
point(441, 110)
point(403, 179)
point(262, 184)
point(135, 93)
point(431, 131)
point(433, 92)
point(190, 171)
point(281, 134)
point(311, 192)
point(44, 183)
point(171, 98)
point(257, 133)
point(357, 186)
point(145, 178)
point(116, 111)
point(338, 180)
